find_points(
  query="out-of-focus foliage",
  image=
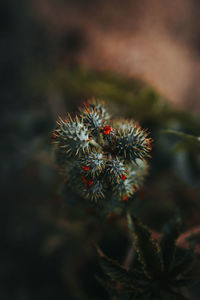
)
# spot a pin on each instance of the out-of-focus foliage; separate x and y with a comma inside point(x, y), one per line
point(187, 141)
point(142, 101)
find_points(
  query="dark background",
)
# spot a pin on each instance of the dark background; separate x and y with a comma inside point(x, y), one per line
point(143, 58)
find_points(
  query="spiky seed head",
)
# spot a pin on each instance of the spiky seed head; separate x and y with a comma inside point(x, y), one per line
point(132, 142)
point(73, 137)
point(101, 159)
point(94, 115)
point(138, 171)
point(132, 181)
point(116, 170)
point(93, 190)
point(93, 163)
point(124, 188)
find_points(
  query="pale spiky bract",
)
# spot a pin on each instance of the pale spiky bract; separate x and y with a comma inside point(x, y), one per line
point(101, 158)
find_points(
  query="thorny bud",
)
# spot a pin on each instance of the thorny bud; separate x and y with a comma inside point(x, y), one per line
point(101, 158)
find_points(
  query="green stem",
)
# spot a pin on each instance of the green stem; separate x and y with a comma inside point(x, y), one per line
point(95, 144)
point(130, 252)
point(129, 220)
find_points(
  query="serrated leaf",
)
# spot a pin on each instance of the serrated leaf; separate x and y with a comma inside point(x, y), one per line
point(125, 292)
point(106, 285)
point(184, 264)
point(114, 270)
point(147, 249)
point(168, 243)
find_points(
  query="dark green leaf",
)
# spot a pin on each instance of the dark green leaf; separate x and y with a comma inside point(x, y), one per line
point(186, 282)
point(114, 270)
point(147, 249)
point(144, 296)
point(177, 296)
point(126, 292)
point(168, 243)
point(107, 285)
point(180, 297)
point(184, 264)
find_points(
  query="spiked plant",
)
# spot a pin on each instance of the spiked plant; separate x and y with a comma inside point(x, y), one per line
point(101, 158)
point(159, 271)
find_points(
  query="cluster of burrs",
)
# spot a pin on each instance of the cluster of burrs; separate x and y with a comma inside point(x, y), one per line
point(101, 158)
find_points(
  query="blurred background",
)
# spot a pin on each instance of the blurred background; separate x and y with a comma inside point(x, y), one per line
point(143, 58)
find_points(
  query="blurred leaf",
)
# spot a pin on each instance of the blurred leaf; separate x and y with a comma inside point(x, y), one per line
point(131, 96)
point(188, 141)
point(184, 264)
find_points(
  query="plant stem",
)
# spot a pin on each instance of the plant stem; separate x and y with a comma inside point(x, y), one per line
point(129, 257)
point(95, 144)
point(130, 253)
